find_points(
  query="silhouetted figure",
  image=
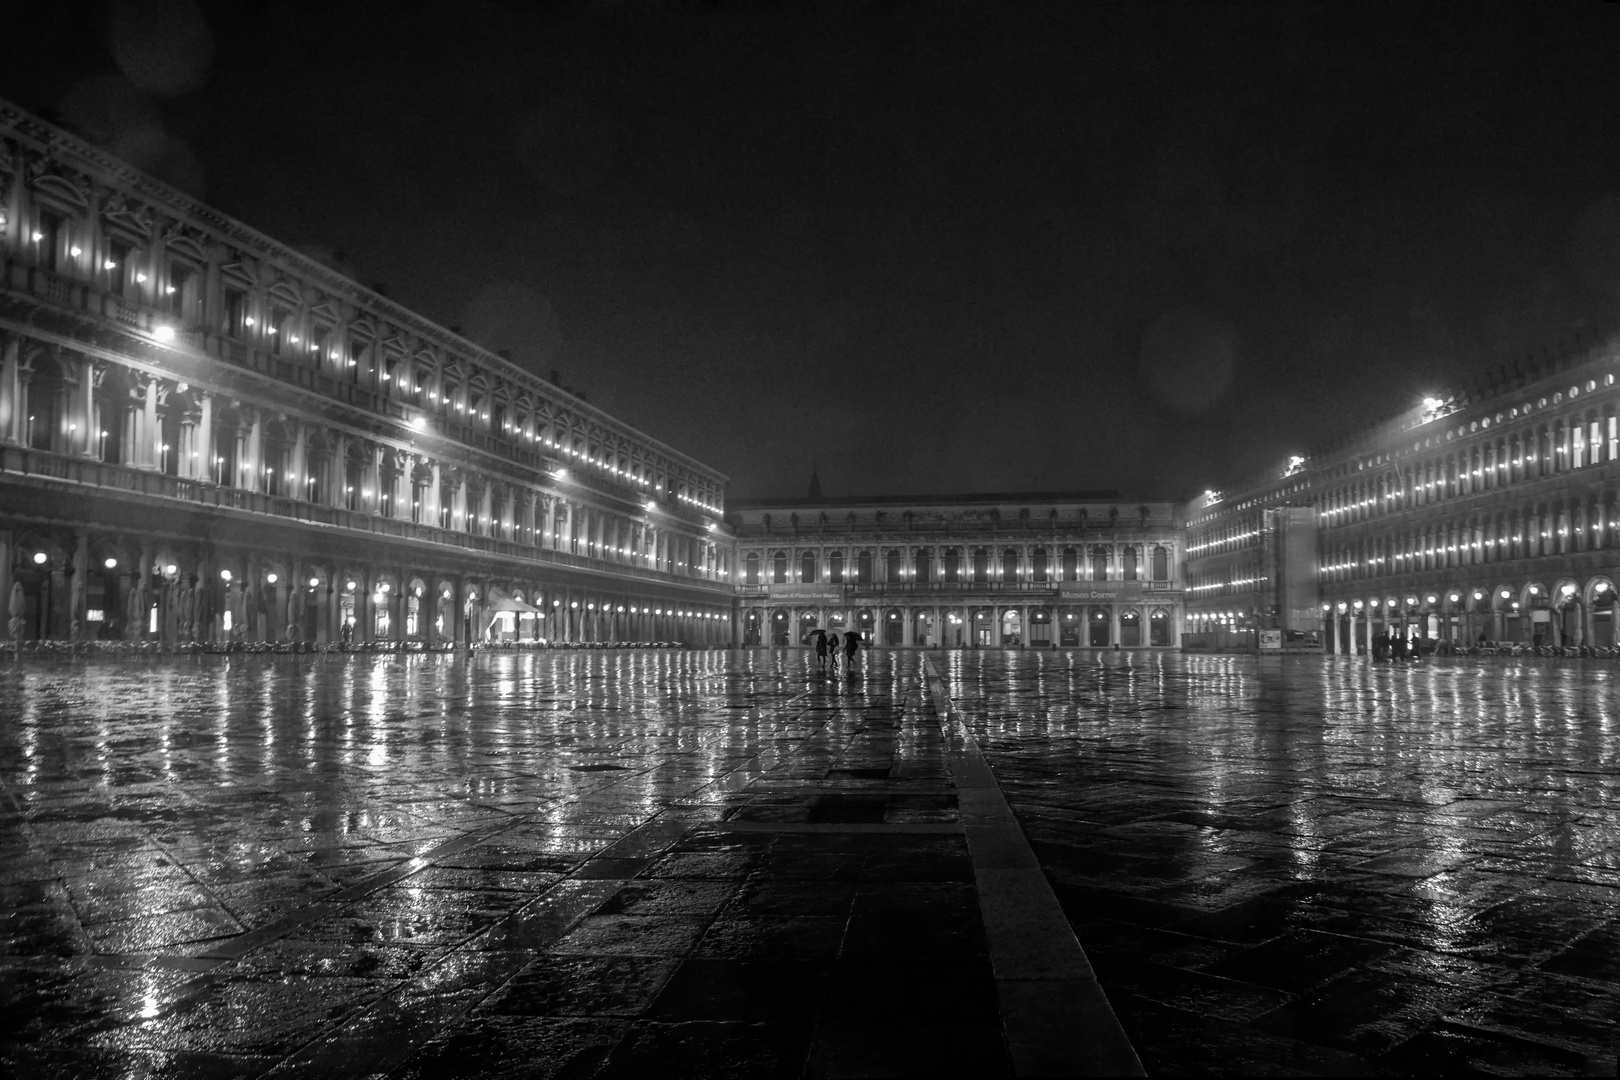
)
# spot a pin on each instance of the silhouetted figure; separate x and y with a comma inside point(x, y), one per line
point(852, 645)
point(820, 637)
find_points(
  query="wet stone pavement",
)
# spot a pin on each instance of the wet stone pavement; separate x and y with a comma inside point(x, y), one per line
point(577, 864)
point(710, 864)
point(1299, 866)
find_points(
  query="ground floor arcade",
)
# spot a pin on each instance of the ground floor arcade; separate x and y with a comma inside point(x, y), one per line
point(1554, 611)
point(1100, 626)
point(89, 584)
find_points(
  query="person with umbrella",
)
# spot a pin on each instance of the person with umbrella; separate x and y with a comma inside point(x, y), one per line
point(852, 645)
point(834, 643)
point(818, 638)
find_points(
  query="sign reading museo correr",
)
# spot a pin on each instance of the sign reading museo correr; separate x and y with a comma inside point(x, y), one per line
point(1116, 592)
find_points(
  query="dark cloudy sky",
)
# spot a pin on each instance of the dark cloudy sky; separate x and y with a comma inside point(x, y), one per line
point(934, 247)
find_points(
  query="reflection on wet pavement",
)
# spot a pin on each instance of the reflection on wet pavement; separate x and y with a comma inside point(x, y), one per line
point(415, 866)
point(1286, 865)
point(713, 864)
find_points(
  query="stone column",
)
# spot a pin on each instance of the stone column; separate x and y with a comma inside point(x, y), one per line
point(88, 441)
point(12, 421)
point(255, 453)
point(8, 552)
point(151, 432)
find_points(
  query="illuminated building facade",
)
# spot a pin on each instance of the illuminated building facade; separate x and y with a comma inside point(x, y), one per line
point(1038, 570)
point(1489, 515)
point(207, 436)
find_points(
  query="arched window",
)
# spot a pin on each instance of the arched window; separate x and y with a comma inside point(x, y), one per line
point(981, 564)
point(1071, 564)
point(894, 566)
point(779, 563)
point(1099, 563)
point(751, 569)
point(835, 568)
point(1128, 564)
point(863, 568)
point(1161, 564)
point(1037, 570)
point(953, 565)
point(807, 568)
point(925, 565)
point(1009, 565)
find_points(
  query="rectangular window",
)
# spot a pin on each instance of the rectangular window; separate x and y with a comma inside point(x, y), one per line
point(119, 273)
point(280, 323)
point(235, 312)
point(49, 239)
point(178, 290)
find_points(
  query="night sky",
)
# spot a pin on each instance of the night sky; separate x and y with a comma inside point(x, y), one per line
point(933, 248)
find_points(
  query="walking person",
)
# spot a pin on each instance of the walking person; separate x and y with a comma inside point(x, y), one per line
point(820, 637)
point(852, 645)
point(834, 643)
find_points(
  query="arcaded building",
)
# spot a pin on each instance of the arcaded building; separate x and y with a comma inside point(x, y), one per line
point(1040, 570)
point(1489, 514)
point(208, 436)
point(205, 436)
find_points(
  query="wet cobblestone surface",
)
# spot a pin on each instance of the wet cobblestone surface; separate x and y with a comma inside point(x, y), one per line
point(710, 864)
point(615, 864)
point(1288, 865)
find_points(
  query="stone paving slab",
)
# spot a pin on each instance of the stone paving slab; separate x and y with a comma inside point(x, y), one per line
point(714, 864)
point(509, 866)
point(1307, 866)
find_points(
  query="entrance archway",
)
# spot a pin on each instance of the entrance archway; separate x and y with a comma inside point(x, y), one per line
point(894, 628)
point(1012, 627)
point(1069, 622)
point(1159, 627)
point(1602, 606)
point(1040, 629)
point(1130, 628)
point(1099, 628)
point(922, 630)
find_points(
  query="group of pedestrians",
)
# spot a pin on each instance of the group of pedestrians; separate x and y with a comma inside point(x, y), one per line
point(1396, 647)
point(830, 643)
